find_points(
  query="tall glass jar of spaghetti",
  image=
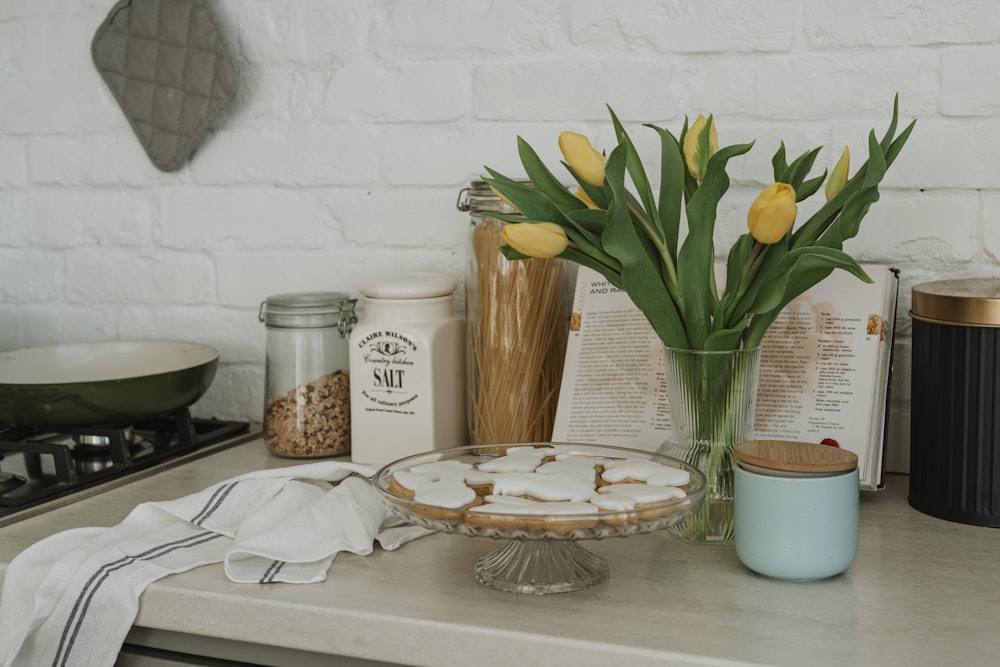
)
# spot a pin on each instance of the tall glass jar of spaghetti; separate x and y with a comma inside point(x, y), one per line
point(517, 318)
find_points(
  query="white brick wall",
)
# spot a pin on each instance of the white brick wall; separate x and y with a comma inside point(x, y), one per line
point(358, 121)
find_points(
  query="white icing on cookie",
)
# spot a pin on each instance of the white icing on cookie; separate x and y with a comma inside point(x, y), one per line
point(669, 477)
point(435, 469)
point(410, 480)
point(511, 483)
point(568, 486)
point(520, 460)
point(571, 465)
point(637, 469)
point(612, 502)
point(640, 493)
point(572, 486)
point(478, 477)
point(446, 493)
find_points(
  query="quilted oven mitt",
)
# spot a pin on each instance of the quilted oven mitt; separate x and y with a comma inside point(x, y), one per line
point(168, 67)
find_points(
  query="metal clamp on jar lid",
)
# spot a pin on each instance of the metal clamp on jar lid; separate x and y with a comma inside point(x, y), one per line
point(781, 458)
point(479, 197)
point(309, 310)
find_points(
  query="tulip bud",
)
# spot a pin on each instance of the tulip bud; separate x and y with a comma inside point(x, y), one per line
point(583, 158)
point(838, 177)
point(697, 160)
point(535, 239)
point(582, 195)
point(772, 214)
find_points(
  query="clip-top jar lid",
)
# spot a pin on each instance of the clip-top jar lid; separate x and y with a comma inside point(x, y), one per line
point(306, 309)
point(479, 197)
point(964, 302)
point(418, 285)
point(799, 457)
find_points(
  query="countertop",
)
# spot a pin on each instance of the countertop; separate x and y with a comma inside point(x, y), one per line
point(921, 591)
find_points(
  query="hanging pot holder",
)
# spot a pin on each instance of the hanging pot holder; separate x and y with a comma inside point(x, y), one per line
point(168, 67)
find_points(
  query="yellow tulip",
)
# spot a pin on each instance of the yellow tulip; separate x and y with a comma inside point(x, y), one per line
point(582, 195)
point(697, 161)
point(838, 177)
point(772, 214)
point(582, 157)
point(535, 239)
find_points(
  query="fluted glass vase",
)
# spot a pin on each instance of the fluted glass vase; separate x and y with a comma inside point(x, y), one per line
point(713, 399)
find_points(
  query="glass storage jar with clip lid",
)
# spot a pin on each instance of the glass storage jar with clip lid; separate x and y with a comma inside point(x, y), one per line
point(307, 396)
point(517, 315)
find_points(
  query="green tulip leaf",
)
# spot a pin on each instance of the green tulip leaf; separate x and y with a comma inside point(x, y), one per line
point(597, 194)
point(671, 198)
point(799, 169)
point(696, 258)
point(544, 181)
point(610, 273)
point(779, 163)
point(511, 254)
point(642, 276)
point(633, 165)
point(808, 188)
point(529, 201)
point(785, 280)
point(736, 274)
point(726, 339)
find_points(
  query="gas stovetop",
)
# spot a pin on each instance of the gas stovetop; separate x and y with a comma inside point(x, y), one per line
point(43, 468)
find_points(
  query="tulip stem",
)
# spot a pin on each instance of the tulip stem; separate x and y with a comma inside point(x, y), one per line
point(740, 289)
point(661, 248)
point(755, 251)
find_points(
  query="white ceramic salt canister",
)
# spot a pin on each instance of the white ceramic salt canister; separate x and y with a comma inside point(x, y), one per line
point(796, 508)
point(407, 362)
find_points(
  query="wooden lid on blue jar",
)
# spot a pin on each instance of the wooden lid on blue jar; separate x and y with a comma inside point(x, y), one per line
point(971, 302)
point(798, 457)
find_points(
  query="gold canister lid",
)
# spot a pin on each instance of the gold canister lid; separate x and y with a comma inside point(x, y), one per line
point(965, 302)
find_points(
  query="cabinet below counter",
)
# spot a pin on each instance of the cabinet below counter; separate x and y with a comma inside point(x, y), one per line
point(921, 591)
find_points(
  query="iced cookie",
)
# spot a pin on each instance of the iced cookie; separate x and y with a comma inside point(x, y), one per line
point(626, 503)
point(444, 499)
point(641, 471)
point(403, 483)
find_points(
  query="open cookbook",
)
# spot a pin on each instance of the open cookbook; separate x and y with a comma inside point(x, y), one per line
point(826, 368)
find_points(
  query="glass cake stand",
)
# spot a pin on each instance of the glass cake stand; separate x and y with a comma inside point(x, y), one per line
point(542, 553)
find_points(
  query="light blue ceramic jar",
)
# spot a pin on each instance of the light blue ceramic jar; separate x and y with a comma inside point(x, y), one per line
point(793, 524)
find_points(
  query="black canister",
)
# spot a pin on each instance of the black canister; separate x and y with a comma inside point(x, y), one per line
point(955, 408)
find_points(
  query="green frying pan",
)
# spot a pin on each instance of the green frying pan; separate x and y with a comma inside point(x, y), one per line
point(98, 384)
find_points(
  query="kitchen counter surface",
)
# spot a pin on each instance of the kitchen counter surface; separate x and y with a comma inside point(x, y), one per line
point(922, 591)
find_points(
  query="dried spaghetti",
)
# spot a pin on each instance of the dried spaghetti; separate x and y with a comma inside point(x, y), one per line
point(517, 341)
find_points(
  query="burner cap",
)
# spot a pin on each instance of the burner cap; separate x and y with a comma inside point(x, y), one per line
point(91, 460)
point(98, 438)
point(9, 482)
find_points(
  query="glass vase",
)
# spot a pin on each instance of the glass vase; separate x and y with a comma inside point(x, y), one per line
point(713, 400)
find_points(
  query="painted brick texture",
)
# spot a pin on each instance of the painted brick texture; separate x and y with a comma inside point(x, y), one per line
point(358, 122)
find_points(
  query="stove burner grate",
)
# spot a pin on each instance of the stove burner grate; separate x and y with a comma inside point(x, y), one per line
point(37, 465)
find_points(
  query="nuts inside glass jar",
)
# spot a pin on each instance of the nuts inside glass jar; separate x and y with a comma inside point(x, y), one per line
point(313, 419)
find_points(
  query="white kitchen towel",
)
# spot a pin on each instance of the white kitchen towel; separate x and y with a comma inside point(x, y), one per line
point(70, 599)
